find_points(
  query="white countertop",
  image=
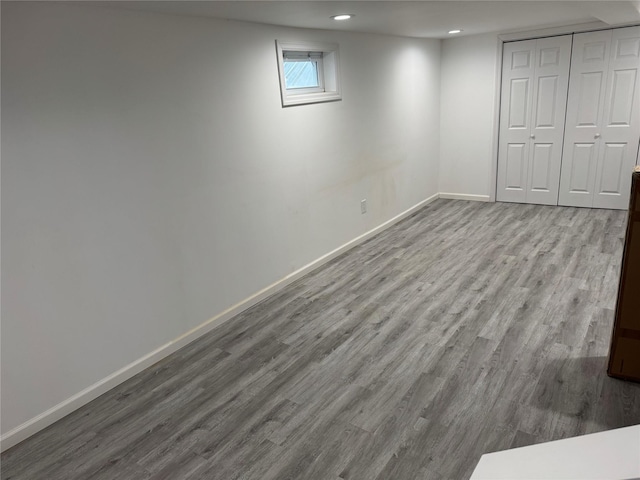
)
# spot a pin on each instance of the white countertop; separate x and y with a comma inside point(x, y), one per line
point(610, 455)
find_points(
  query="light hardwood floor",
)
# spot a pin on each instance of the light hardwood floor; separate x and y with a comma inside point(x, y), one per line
point(467, 328)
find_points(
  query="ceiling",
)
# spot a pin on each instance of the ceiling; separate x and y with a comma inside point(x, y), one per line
point(426, 19)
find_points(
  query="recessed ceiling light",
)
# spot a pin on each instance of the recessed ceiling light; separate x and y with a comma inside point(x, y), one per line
point(344, 16)
point(454, 31)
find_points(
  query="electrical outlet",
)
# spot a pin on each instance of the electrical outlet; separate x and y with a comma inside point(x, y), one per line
point(363, 206)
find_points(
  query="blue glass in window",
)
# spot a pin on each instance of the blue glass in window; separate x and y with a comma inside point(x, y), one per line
point(301, 74)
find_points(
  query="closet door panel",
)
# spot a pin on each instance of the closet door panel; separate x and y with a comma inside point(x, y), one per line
point(546, 102)
point(580, 176)
point(519, 104)
point(621, 105)
point(591, 89)
point(611, 173)
point(621, 130)
point(515, 112)
point(534, 87)
point(584, 119)
point(516, 168)
point(551, 79)
point(542, 178)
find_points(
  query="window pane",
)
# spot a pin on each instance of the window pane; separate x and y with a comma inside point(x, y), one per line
point(301, 74)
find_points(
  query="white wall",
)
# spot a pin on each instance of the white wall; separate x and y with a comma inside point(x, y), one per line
point(467, 115)
point(151, 178)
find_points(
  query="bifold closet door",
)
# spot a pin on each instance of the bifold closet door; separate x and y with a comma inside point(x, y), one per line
point(603, 119)
point(535, 75)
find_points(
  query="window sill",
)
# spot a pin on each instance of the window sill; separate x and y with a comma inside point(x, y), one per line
point(306, 98)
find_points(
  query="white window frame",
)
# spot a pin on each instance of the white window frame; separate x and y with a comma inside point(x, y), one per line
point(328, 74)
point(319, 69)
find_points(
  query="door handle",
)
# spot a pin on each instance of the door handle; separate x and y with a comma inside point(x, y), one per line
point(532, 136)
point(597, 135)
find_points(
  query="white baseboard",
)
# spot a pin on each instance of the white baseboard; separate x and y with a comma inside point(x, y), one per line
point(90, 393)
point(466, 196)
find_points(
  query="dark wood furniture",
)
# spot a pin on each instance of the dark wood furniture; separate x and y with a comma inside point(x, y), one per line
point(624, 355)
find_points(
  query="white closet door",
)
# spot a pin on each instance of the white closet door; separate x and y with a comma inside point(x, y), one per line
point(603, 119)
point(585, 110)
point(551, 81)
point(534, 87)
point(618, 142)
point(515, 115)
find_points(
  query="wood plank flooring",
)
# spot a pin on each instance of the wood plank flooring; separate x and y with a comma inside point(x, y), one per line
point(467, 328)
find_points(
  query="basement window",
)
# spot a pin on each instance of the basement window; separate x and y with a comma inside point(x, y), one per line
point(309, 73)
